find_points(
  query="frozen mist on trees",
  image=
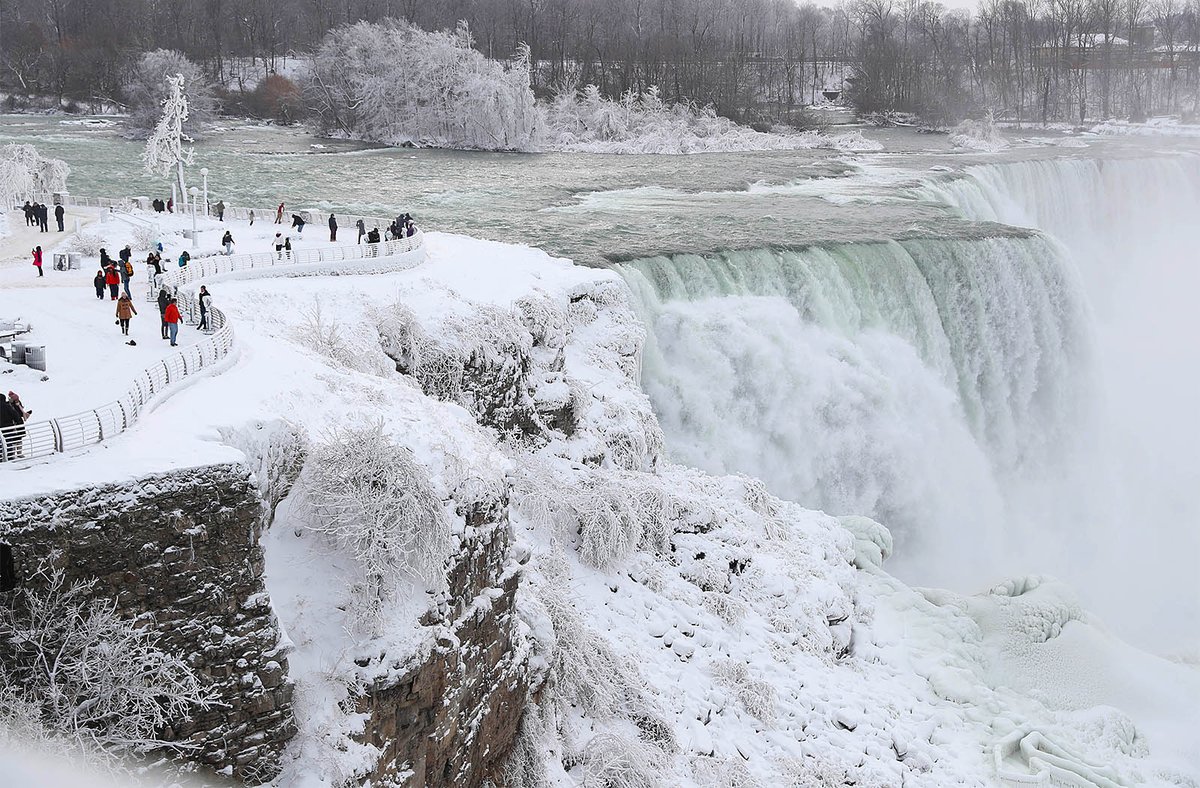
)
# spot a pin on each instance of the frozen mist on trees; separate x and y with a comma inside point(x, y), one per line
point(165, 152)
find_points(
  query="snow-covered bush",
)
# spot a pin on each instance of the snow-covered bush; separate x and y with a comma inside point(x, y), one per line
point(86, 242)
point(395, 83)
point(26, 174)
point(93, 676)
point(325, 335)
point(275, 450)
point(981, 135)
point(147, 90)
point(618, 760)
point(586, 121)
point(370, 495)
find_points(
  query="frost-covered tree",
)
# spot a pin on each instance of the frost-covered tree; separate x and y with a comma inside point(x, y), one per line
point(148, 88)
point(26, 174)
point(395, 83)
point(165, 151)
point(91, 675)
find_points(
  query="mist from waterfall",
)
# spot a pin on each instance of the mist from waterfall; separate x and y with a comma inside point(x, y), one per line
point(1009, 405)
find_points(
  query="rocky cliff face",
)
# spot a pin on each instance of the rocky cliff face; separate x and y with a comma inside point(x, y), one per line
point(450, 716)
point(180, 552)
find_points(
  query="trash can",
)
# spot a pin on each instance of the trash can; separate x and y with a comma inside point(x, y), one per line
point(74, 261)
point(18, 353)
point(60, 262)
point(35, 357)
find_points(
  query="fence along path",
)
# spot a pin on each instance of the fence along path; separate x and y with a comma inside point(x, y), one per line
point(66, 433)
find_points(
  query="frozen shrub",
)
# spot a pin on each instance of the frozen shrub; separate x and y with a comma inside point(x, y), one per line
point(617, 760)
point(275, 451)
point(86, 243)
point(370, 496)
point(757, 697)
point(93, 676)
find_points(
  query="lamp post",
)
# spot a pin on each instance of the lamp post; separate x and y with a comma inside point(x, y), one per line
point(204, 175)
point(194, 191)
point(174, 194)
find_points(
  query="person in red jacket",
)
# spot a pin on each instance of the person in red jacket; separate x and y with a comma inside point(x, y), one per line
point(37, 259)
point(279, 214)
point(112, 279)
point(171, 318)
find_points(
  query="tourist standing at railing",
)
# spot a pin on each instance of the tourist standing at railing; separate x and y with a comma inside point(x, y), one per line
point(171, 316)
point(220, 209)
point(99, 283)
point(59, 214)
point(184, 257)
point(205, 299)
point(362, 229)
point(279, 214)
point(227, 242)
point(332, 228)
point(12, 422)
point(287, 247)
point(125, 312)
point(170, 205)
point(252, 217)
point(112, 279)
point(164, 298)
point(37, 259)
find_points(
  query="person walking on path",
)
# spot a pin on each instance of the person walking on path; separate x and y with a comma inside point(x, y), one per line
point(125, 312)
point(220, 209)
point(112, 279)
point(12, 425)
point(252, 218)
point(171, 316)
point(59, 214)
point(279, 214)
point(205, 299)
point(99, 283)
point(227, 242)
point(332, 228)
point(164, 298)
point(362, 229)
point(37, 259)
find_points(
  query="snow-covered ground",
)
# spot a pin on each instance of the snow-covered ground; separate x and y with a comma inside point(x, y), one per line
point(693, 630)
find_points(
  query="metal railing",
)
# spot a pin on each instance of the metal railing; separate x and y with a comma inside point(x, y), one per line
point(65, 433)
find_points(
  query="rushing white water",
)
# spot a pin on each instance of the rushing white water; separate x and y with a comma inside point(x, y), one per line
point(1012, 404)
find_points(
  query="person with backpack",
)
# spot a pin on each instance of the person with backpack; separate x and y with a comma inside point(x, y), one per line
point(37, 259)
point(60, 213)
point(112, 279)
point(205, 299)
point(164, 298)
point(172, 319)
point(126, 268)
point(99, 283)
point(227, 242)
point(125, 312)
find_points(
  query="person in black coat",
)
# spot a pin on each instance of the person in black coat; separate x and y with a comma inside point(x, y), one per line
point(45, 217)
point(28, 210)
point(332, 228)
point(298, 222)
point(362, 229)
point(99, 283)
point(59, 214)
point(164, 298)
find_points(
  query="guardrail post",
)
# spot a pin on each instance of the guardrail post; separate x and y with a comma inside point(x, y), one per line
point(99, 424)
point(58, 439)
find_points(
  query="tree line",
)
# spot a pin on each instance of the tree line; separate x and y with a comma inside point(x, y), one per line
point(751, 60)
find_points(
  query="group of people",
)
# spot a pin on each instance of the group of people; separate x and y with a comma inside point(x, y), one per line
point(13, 416)
point(163, 207)
point(38, 215)
point(402, 226)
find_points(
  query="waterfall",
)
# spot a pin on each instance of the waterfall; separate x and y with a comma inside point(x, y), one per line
point(965, 392)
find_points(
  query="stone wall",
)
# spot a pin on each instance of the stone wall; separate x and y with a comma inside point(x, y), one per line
point(181, 551)
point(450, 716)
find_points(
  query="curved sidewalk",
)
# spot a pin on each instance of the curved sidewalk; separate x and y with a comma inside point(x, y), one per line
point(67, 433)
